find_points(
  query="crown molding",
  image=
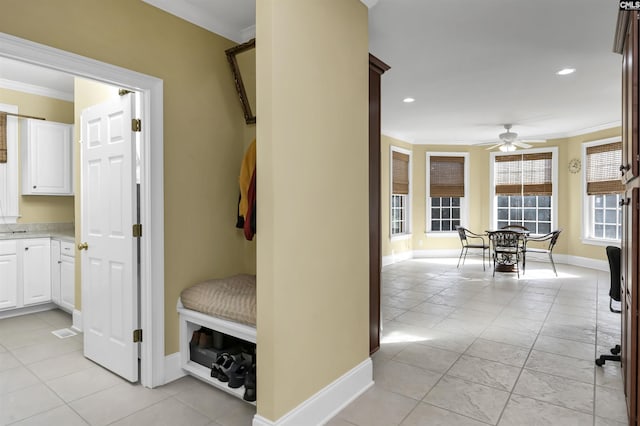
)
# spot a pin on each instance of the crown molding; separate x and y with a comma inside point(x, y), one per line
point(35, 90)
point(197, 16)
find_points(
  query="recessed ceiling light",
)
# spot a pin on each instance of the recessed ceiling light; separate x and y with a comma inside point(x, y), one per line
point(408, 100)
point(566, 71)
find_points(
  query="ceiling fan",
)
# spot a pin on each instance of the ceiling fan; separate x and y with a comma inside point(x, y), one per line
point(509, 141)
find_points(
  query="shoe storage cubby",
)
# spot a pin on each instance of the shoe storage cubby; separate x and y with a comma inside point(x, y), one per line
point(227, 336)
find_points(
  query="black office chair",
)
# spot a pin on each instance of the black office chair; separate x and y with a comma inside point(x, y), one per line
point(613, 254)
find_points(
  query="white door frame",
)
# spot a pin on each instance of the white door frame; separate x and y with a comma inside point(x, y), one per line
point(151, 182)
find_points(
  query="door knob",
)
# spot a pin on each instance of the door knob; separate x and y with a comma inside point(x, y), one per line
point(83, 246)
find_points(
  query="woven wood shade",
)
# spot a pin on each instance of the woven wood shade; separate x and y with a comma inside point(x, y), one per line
point(523, 174)
point(446, 176)
point(400, 166)
point(603, 169)
point(3, 137)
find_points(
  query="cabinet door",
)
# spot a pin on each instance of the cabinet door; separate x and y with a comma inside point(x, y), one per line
point(47, 160)
point(36, 270)
point(629, 278)
point(8, 281)
point(55, 271)
point(630, 159)
point(67, 283)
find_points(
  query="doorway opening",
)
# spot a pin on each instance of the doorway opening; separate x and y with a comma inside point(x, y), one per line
point(152, 367)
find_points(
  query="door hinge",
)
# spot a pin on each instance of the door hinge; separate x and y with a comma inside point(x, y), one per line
point(137, 230)
point(136, 125)
point(137, 335)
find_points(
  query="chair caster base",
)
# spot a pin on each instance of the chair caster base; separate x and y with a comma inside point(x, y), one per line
point(603, 358)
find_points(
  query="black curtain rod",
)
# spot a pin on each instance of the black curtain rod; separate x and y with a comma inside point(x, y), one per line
point(24, 116)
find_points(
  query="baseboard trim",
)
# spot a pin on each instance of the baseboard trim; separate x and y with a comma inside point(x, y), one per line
point(27, 310)
point(77, 320)
point(172, 369)
point(396, 257)
point(328, 402)
point(584, 262)
point(440, 253)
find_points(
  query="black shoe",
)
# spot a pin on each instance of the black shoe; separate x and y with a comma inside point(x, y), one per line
point(237, 377)
point(250, 385)
point(217, 365)
point(223, 371)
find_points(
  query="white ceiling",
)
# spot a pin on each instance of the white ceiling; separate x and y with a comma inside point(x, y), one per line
point(471, 66)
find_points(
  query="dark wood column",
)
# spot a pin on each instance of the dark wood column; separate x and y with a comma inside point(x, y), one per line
point(376, 69)
point(626, 43)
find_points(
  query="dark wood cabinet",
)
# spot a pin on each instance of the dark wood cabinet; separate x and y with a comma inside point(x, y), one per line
point(626, 43)
point(629, 299)
point(629, 33)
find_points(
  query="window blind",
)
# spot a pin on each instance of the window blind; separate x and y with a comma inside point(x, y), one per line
point(603, 169)
point(446, 176)
point(400, 167)
point(523, 174)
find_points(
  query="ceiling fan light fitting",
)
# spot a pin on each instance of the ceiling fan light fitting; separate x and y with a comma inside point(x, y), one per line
point(507, 147)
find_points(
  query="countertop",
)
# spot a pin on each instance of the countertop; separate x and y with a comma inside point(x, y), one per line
point(62, 236)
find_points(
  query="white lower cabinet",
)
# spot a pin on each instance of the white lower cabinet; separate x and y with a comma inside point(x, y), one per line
point(8, 275)
point(36, 270)
point(63, 275)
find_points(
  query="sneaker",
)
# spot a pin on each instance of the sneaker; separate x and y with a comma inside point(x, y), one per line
point(250, 385)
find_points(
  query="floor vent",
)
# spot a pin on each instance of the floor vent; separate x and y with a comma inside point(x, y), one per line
point(63, 333)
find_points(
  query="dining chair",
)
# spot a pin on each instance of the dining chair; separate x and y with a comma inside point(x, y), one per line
point(552, 238)
point(507, 248)
point(478, 242)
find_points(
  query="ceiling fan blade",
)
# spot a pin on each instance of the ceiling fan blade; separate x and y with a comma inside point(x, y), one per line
point(521, 144)
point(486, 143)
point(493, 147)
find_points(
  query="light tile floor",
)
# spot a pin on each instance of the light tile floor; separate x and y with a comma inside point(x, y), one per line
point(47, 381)
point(459, 347)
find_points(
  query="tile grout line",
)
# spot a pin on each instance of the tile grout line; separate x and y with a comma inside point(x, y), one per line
point(526, 360)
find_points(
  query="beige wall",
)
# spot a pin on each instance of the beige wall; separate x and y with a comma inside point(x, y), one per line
point(570, 213)
point(569, 196)
point(203, 122)
point(312, 254)
point(397, 246)
point(41, 208)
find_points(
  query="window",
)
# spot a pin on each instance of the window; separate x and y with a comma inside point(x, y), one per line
point(523, 190)
point(602, 213)
point(400, 191)
point(446, 183)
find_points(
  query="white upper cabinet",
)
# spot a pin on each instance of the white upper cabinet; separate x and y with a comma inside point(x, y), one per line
point(47, 166)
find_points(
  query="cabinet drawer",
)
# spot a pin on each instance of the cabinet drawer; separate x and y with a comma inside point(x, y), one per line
point(67, 248)
point(8, 247)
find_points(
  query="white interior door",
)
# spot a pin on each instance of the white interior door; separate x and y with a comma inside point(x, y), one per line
point(109, 275)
